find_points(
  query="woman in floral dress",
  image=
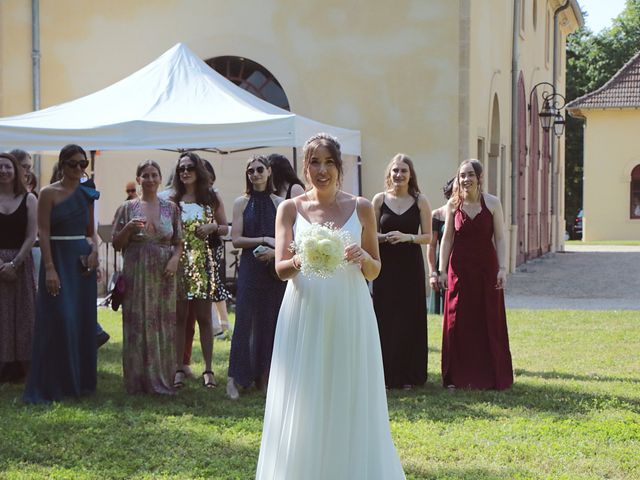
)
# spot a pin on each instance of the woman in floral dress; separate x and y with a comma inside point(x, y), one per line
point(149, 231)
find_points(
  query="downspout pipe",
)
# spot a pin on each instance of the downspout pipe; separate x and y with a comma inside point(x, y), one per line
point(555, 201)
point(515, 53)
point(35, 70)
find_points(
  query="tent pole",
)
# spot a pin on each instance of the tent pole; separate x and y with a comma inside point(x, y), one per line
point(35, 72)
point(359, 175)
point(295, 160)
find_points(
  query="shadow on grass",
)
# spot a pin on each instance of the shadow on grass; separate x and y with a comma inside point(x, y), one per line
point(435, 403)
point(467, 474)
point(570, 376)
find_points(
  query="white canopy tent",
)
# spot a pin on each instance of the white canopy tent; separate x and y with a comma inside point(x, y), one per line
point(177, 101)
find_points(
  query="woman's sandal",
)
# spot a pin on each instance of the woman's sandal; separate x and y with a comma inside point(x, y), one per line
point(211, 383)
point(178, 380)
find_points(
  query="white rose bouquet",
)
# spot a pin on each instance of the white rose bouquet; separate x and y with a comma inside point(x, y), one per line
point(320, 250)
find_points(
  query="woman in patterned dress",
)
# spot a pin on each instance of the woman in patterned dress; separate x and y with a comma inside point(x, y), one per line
point(17, 285)
point(196, 282)
point(149, 231)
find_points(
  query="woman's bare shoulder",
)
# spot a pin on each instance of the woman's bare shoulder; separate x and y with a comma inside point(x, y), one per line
point(491, 201)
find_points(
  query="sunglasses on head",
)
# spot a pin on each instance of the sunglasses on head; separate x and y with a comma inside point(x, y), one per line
point(251, 171)
point(74, 163)
point(186, 168)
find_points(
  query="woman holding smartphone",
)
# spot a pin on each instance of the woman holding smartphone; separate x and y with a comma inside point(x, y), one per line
point(259, 290)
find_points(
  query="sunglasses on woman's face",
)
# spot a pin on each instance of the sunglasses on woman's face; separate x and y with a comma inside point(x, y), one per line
point(251, 171)
point(186, 168)
point(74, 163)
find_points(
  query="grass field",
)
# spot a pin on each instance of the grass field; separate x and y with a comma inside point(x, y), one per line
point(573, 413)
point(604, 242)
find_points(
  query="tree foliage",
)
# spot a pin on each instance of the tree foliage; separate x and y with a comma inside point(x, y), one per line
point(592, 59)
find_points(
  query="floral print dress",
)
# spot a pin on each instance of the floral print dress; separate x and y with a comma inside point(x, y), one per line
point(149, 305)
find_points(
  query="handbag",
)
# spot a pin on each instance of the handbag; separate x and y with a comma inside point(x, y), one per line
point(117, 290)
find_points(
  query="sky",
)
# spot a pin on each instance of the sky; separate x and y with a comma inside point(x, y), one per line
point(601, 12)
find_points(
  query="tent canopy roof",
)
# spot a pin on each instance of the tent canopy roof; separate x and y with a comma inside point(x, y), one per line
point(177, 101)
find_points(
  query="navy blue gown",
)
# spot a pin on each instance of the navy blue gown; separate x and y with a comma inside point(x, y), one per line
point(258, 298)
point(63, 361)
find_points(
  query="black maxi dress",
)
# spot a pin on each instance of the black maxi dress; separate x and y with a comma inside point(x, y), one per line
point(399, 299)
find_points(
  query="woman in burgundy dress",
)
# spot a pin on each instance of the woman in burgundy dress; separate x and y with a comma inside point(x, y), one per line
point(475, 342)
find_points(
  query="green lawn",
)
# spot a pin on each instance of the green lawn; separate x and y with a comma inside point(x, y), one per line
point(573, 413)
point(604, 242)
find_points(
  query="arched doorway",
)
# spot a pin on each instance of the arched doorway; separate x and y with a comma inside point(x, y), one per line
point(252, 77)
point(522, 165)
point(533, 220)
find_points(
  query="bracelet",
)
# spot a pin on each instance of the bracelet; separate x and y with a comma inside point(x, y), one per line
point(434, 275)
point(413, 239)
point(13, 265)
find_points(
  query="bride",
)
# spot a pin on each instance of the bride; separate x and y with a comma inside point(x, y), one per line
point(326, 412)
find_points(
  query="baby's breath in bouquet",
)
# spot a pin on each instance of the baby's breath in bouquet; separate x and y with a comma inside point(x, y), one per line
point(320, 250)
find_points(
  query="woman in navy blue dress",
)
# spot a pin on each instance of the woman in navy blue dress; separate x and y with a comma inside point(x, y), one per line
point(259, 292)
point(63, 362)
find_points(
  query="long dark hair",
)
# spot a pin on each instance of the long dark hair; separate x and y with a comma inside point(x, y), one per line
point(18, 179)
point(69, 151)
point(282, 172)
point(248, 185)
point(414, 190)
point(204, 195)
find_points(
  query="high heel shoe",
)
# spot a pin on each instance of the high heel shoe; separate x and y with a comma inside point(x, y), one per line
point(178, 380)
point(208, 379)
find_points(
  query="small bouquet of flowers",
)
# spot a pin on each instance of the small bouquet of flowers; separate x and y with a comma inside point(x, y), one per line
point(320, 250)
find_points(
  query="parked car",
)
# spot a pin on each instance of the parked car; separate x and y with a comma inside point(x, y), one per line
point(575, 230)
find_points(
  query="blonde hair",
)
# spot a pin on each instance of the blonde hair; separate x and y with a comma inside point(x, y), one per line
point(414, 190)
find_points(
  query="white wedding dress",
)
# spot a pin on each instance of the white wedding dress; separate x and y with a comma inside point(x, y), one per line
point(326, 414)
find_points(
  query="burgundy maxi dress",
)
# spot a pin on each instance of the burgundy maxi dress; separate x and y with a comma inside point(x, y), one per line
point(475, 342)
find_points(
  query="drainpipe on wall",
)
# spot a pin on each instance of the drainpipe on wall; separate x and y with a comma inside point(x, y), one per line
point(515, 53)
point(555, 170)
point(35, 71)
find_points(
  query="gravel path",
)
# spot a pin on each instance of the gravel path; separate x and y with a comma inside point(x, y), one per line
point(581, 278)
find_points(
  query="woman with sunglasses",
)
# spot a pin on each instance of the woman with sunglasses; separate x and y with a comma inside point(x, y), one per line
point(151, 255)
point(63, 362)
point(259, 291)
point(198, 206)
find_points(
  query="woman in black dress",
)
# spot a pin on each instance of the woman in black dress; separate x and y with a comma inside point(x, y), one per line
point(399, 293)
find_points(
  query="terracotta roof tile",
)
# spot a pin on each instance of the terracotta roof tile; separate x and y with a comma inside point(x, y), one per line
point(621, 91)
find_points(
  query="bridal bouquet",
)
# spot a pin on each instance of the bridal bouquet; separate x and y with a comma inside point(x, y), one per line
point(321, 250)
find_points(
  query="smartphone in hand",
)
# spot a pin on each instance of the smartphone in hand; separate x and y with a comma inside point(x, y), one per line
point(258, 250)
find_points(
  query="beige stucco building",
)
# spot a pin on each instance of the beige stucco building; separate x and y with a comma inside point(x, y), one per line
point(438, 80)
point(611, 195)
